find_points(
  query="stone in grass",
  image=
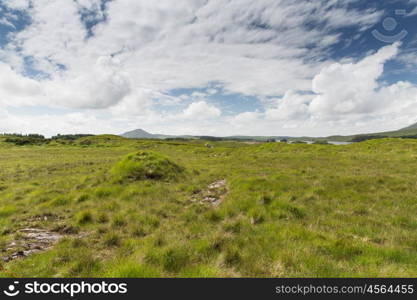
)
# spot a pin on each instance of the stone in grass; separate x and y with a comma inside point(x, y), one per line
point(144, 165)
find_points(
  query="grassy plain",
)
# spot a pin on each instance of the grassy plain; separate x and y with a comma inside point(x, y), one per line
point(289, 210)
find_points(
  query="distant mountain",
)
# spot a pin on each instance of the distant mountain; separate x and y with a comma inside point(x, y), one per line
point(138, 134)
point(410, 131)
point(142, 134)
point(414, 126)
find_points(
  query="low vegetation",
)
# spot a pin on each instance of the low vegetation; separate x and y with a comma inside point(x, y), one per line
point(137, 208)
point(145, 165)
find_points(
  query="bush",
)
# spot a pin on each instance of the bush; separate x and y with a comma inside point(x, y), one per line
point(70, 137)
point(22, 141)
point(146, 165)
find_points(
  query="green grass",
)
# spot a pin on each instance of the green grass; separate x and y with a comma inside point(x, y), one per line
point(145, 165)
point(291, 210)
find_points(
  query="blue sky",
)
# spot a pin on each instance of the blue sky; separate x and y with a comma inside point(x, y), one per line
point(208, 67)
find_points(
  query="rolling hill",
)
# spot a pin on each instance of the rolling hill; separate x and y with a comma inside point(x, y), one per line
point(407, 132)
point(410, 131)
point(414, 126)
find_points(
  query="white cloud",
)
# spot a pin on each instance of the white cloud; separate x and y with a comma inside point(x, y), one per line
point(350, 88)
point(348, 99)
point(91, 5)
point(103, 86)
point(292, 106)
point(254, 48)
point(246, 117)
point(6, 22)
point(146, 48)
point(17, 4)
point(17, 90)
point(49, 124)
point(201, 110)
point(409, 59)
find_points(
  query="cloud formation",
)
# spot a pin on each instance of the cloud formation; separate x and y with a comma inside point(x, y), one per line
point(351, 93)
point(350, 88)
point(201, 110)
point(119, 63)
point(252, 48)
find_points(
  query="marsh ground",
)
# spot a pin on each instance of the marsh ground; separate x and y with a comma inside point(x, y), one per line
point(287, 210)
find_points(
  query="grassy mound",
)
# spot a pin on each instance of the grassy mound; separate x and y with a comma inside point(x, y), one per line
point(146, 165)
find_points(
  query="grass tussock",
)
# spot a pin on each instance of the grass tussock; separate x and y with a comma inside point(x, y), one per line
point(146, 165)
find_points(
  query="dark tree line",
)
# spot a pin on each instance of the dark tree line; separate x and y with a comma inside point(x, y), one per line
point(70, 137)
point(38, 139)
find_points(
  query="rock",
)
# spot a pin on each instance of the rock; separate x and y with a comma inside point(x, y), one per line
point(217, 184)
point(214, 194)
point(32, 240)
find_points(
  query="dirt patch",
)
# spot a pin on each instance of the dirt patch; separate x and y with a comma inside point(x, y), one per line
point(214, 194)
point(29, 241)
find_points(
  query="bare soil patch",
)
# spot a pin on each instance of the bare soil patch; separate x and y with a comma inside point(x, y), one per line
point(29, 241)
point(214, 194)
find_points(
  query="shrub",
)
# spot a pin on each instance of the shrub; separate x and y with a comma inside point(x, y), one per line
point(26, 140)
point(146, 165)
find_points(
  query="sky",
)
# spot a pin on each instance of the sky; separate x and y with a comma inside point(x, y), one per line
point(208, 67)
